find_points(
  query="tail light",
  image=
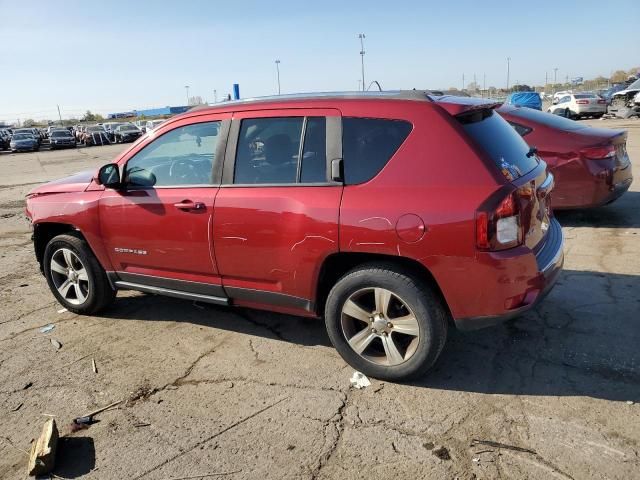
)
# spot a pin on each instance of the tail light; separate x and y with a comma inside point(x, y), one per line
point(599, 153)
point(500, 228)
point(602, 102)
point(582, 102)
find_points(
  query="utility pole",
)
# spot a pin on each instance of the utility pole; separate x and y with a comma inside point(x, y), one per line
point(555, 79)
point(484, 84)
point(59, 116)
point(361, 36)
point(215, 96)
point(187, 89)
point(463, 81)
point(278, 74)
point(508, 67)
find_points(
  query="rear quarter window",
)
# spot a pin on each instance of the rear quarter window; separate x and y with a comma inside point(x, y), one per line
point(499, 140)
point(368, 144)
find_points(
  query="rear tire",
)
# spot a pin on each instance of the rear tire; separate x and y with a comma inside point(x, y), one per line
point(75, 277)
point(385, 322)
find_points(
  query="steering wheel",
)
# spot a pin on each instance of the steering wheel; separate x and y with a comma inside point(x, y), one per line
point(186, 170)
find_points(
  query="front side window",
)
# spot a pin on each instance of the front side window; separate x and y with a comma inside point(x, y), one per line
point(183, 156)
point(368, 144)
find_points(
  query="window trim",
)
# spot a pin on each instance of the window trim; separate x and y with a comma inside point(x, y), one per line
point(216, 167)
point(333, 142)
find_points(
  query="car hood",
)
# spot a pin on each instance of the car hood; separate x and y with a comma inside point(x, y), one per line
point(78, 182)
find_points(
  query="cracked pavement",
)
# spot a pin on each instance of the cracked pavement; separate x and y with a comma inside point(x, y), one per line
point(251, 394)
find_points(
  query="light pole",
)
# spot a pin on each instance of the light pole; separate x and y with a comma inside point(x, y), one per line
point(215, 96)
point(278, 74)
point(555, 78)
point(187, 89)
point(362, 37)
point(508, 65)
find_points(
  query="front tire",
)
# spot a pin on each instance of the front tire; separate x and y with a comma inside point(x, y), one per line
point(385, 322)
point(75, 277)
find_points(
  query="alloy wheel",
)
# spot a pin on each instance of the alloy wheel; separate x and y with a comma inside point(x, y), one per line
point(69, 276)
point(380, 327)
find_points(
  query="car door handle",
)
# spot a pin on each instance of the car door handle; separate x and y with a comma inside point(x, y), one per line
point(189, 205)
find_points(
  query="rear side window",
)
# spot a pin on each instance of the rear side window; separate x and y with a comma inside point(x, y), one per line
point(521, 129)
point(499, 140)
point(368, 144)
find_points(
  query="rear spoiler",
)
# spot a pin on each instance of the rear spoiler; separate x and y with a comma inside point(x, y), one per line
point(459, 105)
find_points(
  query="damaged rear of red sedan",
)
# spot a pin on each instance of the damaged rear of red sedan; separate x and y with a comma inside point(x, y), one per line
point(591, 165)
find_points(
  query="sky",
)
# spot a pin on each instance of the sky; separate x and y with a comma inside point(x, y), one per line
point(122, 55)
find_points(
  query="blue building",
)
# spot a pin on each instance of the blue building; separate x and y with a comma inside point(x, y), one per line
point(151, 112)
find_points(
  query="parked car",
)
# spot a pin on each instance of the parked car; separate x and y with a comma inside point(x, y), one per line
point(126, 133)
point(153, 124)
point(623, 103)
point(339, 205)
point(607, 93)
point(5, 139)
point(95, 135)
point(110, 128)
point(558, 95)
point(525, 99)
point(591, 166)
point(61, 138)
point(579, 105)
point(30, 131)
point(24, 142)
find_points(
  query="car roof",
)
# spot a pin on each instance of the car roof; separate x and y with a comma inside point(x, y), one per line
point(454, 104)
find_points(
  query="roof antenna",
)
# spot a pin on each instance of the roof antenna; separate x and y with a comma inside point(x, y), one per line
point(376, 82)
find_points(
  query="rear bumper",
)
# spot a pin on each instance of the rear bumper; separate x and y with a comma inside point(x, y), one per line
point(549, 260)
point(590, 184)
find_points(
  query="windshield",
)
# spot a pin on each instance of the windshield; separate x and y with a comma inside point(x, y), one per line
point(585, 95)
point(94, 129)
point(60, 133)
point(22, 136)
point(635, 85)
point(129, 128)
point(500, 141)
point(547, 119)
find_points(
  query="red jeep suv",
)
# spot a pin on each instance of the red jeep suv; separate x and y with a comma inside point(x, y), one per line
point(392, 215)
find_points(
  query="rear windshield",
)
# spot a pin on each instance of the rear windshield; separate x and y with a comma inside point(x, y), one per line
point(500, 141)
point(547, 119)
point(585, 95)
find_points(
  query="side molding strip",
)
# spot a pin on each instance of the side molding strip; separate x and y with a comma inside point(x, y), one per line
point(171, 293)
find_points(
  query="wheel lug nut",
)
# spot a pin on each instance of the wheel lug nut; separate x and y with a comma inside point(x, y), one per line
point(389, 324)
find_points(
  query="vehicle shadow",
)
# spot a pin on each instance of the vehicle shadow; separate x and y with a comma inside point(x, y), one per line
point(623, 213)
point(581, 341)
point(299, 330)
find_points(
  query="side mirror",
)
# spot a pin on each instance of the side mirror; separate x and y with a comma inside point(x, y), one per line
point(109, 176)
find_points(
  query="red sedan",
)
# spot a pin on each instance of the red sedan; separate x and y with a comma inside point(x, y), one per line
point(590, 165)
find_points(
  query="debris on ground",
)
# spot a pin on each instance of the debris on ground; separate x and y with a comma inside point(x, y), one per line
point(442, 453)
point(47, 328)
point(489, 443)
point(142, 424)
point(17, 407)
point(629, 402)
point(42, 458)
point(27, 385)
point(86, 420)
point(429, 445)
point(93, 365)
point(56, 343)
point(359, 380)
point(62, 310)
